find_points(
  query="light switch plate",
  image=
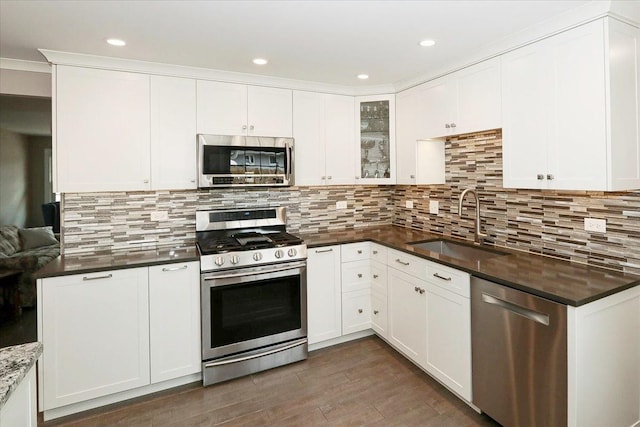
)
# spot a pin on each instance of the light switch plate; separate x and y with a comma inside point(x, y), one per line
point(595, 225)
point(160, 216)
point(434, 207)
point(408, 204)
point(342, 204)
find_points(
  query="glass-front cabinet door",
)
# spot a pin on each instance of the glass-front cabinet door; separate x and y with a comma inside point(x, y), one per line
point(375, 155)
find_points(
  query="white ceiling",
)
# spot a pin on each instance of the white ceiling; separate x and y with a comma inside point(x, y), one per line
point(322, 41)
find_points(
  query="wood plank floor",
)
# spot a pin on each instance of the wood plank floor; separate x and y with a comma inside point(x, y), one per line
point(363, 382)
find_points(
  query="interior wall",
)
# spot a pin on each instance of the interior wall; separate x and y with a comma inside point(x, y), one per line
point(13, 178)
point(26, 83)
point(36, 197)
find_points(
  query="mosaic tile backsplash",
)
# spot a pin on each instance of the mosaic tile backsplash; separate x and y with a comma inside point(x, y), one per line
point(541, 222)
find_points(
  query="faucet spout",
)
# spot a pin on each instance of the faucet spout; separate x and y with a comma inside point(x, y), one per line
point(478, 234)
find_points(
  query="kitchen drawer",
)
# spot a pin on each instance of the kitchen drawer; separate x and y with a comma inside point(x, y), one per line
point(356, 311)
point(406, 263)
point(356, 275)
point(379, 277)
point(378, 253)
point(355, 251)
point(448, 278)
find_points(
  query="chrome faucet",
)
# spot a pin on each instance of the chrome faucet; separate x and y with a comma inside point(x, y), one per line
point(478, 234)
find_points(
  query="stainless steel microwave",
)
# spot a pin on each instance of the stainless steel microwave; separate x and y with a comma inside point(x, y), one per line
point(234, 161)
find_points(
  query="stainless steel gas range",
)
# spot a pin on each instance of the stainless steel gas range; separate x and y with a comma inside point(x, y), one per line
point(253, 291)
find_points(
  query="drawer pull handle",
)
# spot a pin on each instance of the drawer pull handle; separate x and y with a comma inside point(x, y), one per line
point(184, 267)
point(324, 250)
point(359, 251)
point(448, 279)
point(375, 312)
point(375, 252)
point(360, 310)
point(107, 276)
point(401, 262)
point(359, 275)
point(375, 276)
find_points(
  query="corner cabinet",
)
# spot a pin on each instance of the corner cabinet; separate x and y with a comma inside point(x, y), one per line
point(571, 110)
point(101, 134)
point(375, 139)
point(237, 109)
point(323, 128)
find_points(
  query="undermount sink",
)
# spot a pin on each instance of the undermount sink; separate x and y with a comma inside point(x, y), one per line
point(458, 250)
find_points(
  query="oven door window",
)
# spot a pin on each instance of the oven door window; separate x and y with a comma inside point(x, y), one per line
point(253, 310)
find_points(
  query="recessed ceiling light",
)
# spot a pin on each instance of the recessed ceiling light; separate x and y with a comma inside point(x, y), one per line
point(427, 43)
point(363, 76)
point(260, 61)
point(116, 42)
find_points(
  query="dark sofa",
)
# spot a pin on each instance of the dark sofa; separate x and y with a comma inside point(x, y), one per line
point(27, 250)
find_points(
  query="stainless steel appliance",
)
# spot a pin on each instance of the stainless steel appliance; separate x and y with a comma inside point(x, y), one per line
point(253, 292)
point(519, 356)
point(231, 161)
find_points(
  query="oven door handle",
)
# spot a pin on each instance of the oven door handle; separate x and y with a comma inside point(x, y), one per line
point(257, 355)
point(253, 272)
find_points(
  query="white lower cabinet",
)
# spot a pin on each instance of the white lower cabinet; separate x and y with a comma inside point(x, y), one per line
point(115, 331)
point(324, 294)
point(174, 320)
point(379, 317)
point(356, 311)
point(407, 314)
point(95, 335)
point(21, 409)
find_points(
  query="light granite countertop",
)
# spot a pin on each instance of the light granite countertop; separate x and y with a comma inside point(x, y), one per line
point(15, 362)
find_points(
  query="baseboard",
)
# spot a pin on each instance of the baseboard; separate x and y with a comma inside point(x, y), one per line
point(340, 340)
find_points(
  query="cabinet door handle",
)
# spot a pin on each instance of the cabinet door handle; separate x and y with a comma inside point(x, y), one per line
point(359, 251)
point(416, 289)
point(357, 177)
point(375, 252)
point(184, 267)
point(375, 276)
point(329, 177)
point(375, 312)
point(447, 126)
point(401, 262)
point(441, 277)
point(106, 276)
point(540, 177)
point(323, 177)
point(244, 127)
point(359, 275)
point(550, 177)
point(146, 181)
point(453, 125)
point(360, 310)
point(422, 291)
point(324, 250)
point(412, 176)
point(251, 127)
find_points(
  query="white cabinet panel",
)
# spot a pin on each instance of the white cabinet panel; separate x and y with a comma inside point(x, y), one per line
point(20, 409)
point(173, 133)
point(324, 294)
point(407, 314)
point(356, 275)
point(440, 111)
point(379, 315)
point(375, 148)
point(355, 251)
point(324, 139)
point(221, 108)
point(174, 320)
point(410, 117)
point(95, 334)
point(270, 111)
point(102, 134)
point(570, 110)
point(356, 311)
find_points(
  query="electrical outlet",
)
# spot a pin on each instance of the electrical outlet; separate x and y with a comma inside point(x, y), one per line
point(595, 225)
point(408, 204)
point(160, 216)
point(342, 204)
point(434, 207)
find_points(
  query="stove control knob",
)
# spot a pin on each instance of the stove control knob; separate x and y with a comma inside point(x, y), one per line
point(219, 261)
point(279, 254)
point(234, 259)
point(257, 256)
point(292, 252)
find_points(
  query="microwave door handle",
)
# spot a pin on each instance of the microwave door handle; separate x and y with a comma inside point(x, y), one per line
point(288, 171)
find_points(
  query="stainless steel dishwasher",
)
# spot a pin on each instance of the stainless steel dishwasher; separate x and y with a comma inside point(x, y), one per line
point(519, 356)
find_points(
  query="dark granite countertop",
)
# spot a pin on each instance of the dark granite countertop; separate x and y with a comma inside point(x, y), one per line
point(86, 263)
point(561, 281)
point(15, 362)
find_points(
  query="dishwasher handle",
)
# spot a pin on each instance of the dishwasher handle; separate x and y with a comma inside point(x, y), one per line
point(517, 309)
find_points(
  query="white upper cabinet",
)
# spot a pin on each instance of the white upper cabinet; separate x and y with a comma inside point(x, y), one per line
point(323, 128)
point(101, 132)
point(173, 133)
point(570, 110)
point(418, 161)
point(375, 139)
point(463, 102)
point(236, 109)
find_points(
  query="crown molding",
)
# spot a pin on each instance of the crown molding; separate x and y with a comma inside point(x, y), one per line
point(21, 65)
